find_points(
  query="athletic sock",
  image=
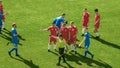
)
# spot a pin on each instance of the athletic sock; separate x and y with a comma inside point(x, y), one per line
point(72, 47)
point(49, 46)
point(54, 46)
point(85, 53)
point(97, 34)
point(3, 24)
point(12, 50)
point(83, 30)
point(16, 49)
point(89, 53)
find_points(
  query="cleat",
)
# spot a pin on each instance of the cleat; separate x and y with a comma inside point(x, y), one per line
point(75, 52)
point(17, 55)
point(92, 56)
point(58, 64)
point(9, 54)
point(97, 37)
point(82, 35)
point(48, 50)
point(55, 50)
point(64, 61)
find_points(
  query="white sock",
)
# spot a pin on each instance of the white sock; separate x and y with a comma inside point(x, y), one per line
point(49, 46)
point(54, 46)
point(3, 24)
point(83, 30)
point(97, 34)
point(72, 47)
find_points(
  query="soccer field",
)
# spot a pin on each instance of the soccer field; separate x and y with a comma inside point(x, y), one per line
point(32, 15)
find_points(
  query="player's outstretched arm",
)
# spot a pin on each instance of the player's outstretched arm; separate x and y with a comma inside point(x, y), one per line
point(6, 13)
point(43, 30)
point(82, 42)
point(54, 36)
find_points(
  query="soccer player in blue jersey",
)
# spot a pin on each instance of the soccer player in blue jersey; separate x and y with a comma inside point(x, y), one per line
point(14, 40)
point(86, 41)
point(0, 22)
point(59, 20)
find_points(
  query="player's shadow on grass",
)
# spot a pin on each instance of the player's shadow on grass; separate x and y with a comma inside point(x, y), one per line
point(9, 33)
point(89, 62)
point(8, 36)
point(27, 62)
point(106, 42)
point(72, 57)
point(56, 53)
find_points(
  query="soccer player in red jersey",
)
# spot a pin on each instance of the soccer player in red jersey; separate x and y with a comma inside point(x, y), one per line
point(65, 32)
point(53, 31)
point(85, 20)
point(96, 23)
point(3, 15)
point(73, 36)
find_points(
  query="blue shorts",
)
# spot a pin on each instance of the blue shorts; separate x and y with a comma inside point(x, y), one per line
point(15, 44)
point(86, 46)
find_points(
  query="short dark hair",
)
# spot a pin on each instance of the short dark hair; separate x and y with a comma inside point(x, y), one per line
point(53, 22)
point(96, 10)
point(63, 14)
point(59, 35)
point(65, 22)
point(85, 8)
point(13, 24)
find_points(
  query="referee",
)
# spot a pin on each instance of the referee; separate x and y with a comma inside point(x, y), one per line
point(61, 45)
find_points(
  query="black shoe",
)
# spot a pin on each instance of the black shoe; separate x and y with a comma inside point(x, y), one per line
point(17, 55)
point(64, 61)
point(97, 37)
point(58, 64)
point(9, 54)
point(82, 35)
point(92, 56)
point(48, 50)
point(55, 50)
point(4, 28)
point(84, 57)
point(72, 50)
point(75, 52)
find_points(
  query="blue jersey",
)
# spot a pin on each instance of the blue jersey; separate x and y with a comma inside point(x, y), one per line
point(58, 21)
point(14, 38)
point(0, 18)
point(87, 39)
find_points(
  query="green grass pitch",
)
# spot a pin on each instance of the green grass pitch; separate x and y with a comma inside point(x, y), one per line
point(32, 15)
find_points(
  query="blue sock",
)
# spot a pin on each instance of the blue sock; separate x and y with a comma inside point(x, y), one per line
point(12, 49)
point(16, 51)
point(0, 29)
point(85, 53)
point(89, 53)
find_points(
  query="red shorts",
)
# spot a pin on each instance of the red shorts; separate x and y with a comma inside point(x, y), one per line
point(72, 40)
point(3, 17)
point(66, 39)
point(85, 23)
point(51, 39)
point(97, 26)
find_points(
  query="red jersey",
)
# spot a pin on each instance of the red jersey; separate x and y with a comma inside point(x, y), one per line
point(73, 31)
point(85, 18)
point(97, 18)
point(53, 30)
point(65, 32)
point(1, 8)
